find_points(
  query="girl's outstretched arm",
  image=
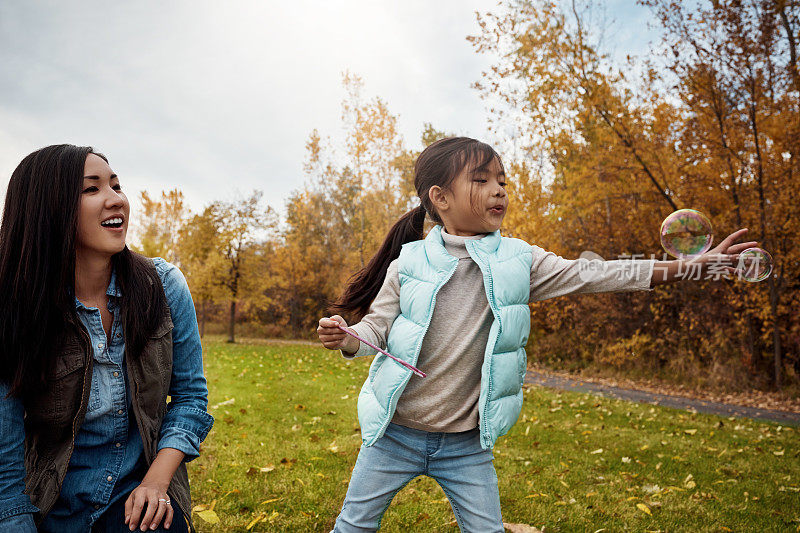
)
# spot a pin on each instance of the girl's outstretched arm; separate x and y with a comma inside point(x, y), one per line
point(724, 257)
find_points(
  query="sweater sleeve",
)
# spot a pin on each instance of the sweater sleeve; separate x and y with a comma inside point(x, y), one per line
point(383, 311)
point(552, 275)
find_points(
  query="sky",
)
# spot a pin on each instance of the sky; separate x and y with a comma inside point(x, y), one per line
point(219, 98)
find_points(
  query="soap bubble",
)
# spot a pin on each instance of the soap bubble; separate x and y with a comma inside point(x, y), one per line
point(686, 233)
point(754, 265)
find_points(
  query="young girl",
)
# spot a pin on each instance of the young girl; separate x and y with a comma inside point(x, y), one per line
point(456, 306)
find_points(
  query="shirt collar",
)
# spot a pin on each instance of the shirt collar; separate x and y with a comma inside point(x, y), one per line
point(113, 290)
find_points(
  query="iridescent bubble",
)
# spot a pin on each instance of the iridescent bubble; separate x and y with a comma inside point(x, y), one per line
point(686, 233)
point(754, 265)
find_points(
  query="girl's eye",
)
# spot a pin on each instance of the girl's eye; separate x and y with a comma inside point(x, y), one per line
point(480, 180)
point(91, 189)
point(502, 183)
point(117, 187)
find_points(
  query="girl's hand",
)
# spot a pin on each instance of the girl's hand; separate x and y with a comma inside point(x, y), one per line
point(726, 253)
point(333, 338)
point(154, 497)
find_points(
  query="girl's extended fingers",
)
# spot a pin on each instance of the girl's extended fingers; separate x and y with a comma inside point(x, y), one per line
point(161, 510)
point(152, 507)
point(736, 248)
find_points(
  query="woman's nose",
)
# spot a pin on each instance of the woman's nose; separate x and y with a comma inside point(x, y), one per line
point(114, 199)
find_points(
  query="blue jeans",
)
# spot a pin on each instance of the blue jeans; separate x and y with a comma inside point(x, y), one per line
point(456, 461)
point(113, 520)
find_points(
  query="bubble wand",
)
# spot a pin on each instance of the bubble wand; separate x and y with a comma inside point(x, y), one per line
point(414, 369)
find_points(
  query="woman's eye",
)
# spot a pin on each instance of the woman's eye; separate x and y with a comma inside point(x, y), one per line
point(478, 180)
point(502, 183)
point(117, 187)
point(91, 189)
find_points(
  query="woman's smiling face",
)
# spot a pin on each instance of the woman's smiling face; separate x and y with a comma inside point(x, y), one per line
point(104, 210)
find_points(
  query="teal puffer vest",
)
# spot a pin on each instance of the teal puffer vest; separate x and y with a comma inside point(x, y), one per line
point(424, 267)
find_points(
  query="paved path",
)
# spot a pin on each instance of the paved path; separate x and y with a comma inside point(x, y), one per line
point(676, 402)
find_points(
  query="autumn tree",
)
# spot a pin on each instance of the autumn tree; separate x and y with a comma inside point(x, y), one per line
point(202, 261)
point(602, 155)
point(160, 223)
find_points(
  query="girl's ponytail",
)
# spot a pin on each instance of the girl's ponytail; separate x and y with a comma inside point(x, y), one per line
point(364, 285)
point(437, 166)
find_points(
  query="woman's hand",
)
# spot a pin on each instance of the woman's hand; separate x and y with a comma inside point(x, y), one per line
point(152, 493)
point(333, 338)
point(153, 497)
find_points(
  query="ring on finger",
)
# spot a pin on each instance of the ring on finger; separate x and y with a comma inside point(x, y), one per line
point(168, 502)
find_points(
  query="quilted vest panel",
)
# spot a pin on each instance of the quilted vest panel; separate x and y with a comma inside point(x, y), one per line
point(424, 267)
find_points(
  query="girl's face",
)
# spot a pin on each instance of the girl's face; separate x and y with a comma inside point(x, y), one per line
point(104, 210)
point(476, 201)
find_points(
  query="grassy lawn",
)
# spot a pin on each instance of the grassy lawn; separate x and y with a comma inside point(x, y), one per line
point(286, 438)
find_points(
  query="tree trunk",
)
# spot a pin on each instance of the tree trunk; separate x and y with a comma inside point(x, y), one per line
point(232, 321)
point(774, 295)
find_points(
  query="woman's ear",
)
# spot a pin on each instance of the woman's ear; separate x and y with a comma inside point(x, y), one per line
point(438, 198)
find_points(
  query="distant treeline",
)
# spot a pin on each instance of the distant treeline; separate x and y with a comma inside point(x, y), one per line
point(597, 155)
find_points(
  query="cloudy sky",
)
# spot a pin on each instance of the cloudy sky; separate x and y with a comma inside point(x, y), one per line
point(218, 98)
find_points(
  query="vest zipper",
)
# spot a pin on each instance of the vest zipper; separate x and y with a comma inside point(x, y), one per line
point(490, 294)
point(417, 349)
point(81, 409)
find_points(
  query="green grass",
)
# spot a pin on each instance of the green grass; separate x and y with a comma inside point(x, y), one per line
point(573, 462)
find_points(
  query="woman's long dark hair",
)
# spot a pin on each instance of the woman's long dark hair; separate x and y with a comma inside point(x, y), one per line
point(37, 269)
point(437, 165)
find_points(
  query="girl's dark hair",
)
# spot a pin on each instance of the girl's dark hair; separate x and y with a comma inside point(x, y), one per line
point(37, 270)
point(437, 165)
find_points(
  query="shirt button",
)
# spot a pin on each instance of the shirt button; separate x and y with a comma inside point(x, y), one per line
point(96, 506)
point(116, 374)
point(109, 478)
point(118, 444)
point(100, 345)
point(120, 412)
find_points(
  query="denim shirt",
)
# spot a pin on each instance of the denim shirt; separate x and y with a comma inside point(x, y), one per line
point(107, 462)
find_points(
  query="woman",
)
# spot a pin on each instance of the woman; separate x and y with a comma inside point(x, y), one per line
point(93, 338)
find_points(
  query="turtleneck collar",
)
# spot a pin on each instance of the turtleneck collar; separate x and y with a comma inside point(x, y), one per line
point(456, 245)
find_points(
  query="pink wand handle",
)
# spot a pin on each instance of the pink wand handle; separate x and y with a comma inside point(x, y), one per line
point(414, 369)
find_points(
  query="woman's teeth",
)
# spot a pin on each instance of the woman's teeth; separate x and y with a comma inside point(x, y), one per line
point(112, 222)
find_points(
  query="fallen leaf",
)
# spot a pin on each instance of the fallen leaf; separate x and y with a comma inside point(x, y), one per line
point(256, 520)
point(209, 516)
point(690, 431)
point(595, 452)
point(643, 508)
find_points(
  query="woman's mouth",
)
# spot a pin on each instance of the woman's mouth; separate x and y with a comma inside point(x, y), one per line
point(497, 210)
point(114, 223)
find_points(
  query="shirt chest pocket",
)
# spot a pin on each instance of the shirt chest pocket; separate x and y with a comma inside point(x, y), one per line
point(96, 393)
